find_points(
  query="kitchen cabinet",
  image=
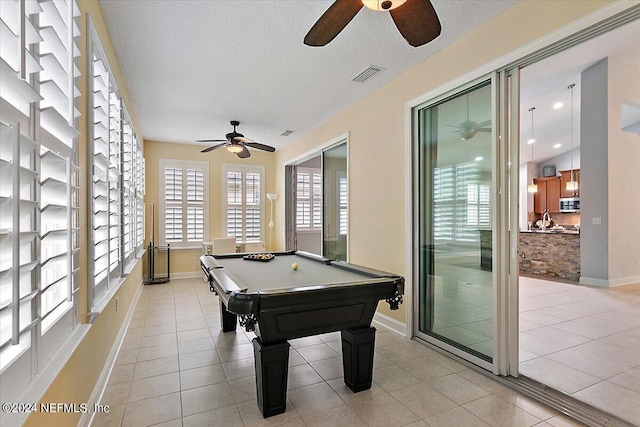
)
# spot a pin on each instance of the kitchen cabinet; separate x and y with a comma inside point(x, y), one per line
point(565, 176)
point(548, 195)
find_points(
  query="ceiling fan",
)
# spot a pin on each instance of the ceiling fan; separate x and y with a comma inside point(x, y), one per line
point(236, 143)
point(416, 20)
point(468, 128)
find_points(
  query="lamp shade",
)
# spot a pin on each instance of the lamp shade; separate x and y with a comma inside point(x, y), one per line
point(532, 188)
point(234, 148)
point(572, 186)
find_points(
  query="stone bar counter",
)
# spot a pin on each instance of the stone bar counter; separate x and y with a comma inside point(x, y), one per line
point(550, 254)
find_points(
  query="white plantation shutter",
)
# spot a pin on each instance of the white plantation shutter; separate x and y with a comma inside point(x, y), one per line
point(173, 205)
point(303, 200)
point(316, 212)
point(343, 204)
point(139, 195)
point(184, 204)
point(243, 186)
point(116, 186)
point(308, 199)
point(39, 214)
point(461, 202)
point(195, 205)
point(234, 204)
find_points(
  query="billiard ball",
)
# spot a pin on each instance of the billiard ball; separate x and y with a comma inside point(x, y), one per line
point(294, 266)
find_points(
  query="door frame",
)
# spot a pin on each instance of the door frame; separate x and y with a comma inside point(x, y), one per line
point(497, 208)
point(288, 200)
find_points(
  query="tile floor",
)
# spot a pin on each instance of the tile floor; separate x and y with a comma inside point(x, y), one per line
point(583, 341)
point(176, 368)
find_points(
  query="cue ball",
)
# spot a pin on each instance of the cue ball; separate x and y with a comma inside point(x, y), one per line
point(294, 266)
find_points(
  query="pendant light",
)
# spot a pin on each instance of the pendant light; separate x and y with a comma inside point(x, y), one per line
point(532, 188)
point(572, 185)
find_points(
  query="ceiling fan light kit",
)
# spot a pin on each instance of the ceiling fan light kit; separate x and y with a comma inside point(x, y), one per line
point(236, 143)
point(382, 5)
point(416, 20)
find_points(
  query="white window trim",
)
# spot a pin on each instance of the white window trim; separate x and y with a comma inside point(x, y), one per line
point(232, 167)
point(184, 164)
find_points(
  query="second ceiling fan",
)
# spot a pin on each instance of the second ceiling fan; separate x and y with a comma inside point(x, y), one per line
point(416, 20)
point(236, 143)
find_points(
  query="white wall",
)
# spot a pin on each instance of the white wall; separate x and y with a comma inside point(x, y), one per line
point(624, 176)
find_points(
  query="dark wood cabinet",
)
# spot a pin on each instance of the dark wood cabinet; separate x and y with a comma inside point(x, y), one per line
point(548, 195)
point(565, 176)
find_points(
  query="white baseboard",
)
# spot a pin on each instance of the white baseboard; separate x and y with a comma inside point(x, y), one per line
point(103, 379)
point(605, 283)
point(390, 323)
point(187, 275)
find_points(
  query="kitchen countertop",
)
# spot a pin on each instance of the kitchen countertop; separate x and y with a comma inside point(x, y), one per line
point(550, 231)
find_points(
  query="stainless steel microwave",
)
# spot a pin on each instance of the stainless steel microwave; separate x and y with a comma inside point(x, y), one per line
point(570, 204)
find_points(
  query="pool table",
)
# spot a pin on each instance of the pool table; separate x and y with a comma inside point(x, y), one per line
point(281, 303)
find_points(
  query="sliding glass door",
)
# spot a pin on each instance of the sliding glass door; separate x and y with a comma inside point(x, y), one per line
point(316, 202)
point(454, 217)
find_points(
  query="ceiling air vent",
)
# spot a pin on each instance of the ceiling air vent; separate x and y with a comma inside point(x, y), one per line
point(367, 74)
point(286, 133)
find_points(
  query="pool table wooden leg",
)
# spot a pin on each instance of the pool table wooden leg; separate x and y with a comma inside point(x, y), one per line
point(272, 368)
point(358, 346)
point(227, 318)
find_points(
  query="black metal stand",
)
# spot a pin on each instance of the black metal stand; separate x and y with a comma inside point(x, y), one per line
point(152, 278)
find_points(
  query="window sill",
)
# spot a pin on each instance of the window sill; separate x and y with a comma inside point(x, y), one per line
point(182, 248)
point(105, 300)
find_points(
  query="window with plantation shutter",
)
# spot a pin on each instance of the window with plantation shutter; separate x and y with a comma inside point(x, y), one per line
point(243, 189)
point(343, 205)
point(183, 210)
point(115, 182)
point(309, 199)
point(39, 188)
point(461, 202)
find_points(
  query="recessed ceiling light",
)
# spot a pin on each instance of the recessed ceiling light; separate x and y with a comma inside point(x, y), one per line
point(557, 146)
point(557, 105)
point(531, 141)
point(479, 158)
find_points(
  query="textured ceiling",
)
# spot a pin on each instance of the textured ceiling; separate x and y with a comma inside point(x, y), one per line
point(192, 66)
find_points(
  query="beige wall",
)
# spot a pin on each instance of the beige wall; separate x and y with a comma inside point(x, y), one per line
point(376, 130)
point(76, 381)
point(186, 261)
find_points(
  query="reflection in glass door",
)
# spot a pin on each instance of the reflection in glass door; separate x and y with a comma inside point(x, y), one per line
point(335, 223)
point(455, 300)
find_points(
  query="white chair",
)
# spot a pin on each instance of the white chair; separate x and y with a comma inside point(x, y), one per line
point(223, 245)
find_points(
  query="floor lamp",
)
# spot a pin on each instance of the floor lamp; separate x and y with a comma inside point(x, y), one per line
point(271, 197)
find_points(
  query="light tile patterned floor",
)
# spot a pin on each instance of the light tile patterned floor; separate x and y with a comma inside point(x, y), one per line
point(176, 368)
point(584, 341)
